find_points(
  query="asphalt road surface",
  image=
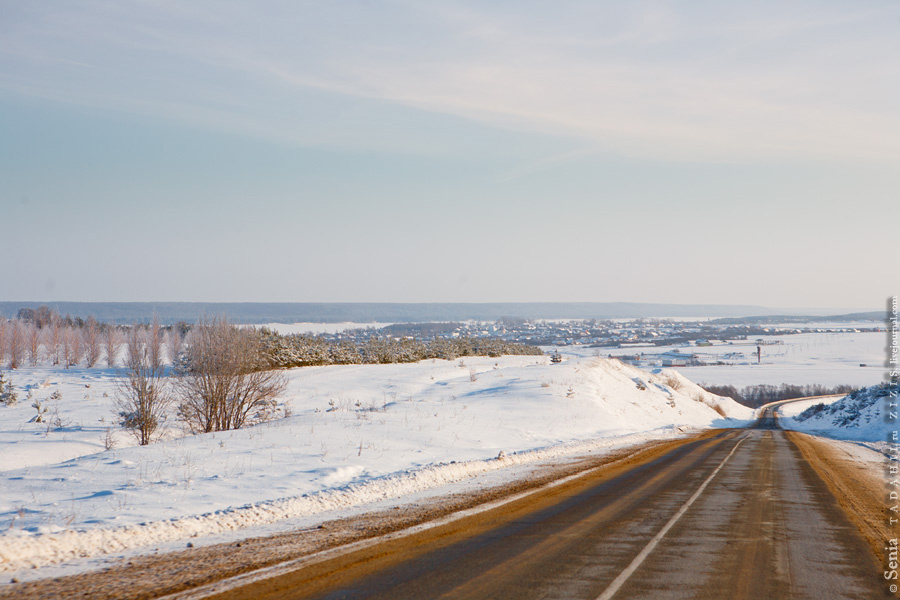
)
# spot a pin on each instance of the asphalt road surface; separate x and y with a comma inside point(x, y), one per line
point(738, 515)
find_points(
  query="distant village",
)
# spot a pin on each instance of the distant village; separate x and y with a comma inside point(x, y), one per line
point(622, 339)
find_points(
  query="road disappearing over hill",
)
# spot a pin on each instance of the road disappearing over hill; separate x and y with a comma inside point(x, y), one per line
point(736, 514)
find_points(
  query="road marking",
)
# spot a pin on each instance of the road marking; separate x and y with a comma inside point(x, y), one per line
point(619, 581)
point(279, 569)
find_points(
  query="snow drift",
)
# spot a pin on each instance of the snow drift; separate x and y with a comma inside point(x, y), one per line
point(349, 435)
point(862, 416)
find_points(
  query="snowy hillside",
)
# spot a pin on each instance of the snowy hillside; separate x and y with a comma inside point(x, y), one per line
point(344, 436)
point(861, 416)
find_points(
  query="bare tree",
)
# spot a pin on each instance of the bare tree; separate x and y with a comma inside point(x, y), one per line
point(4, 329)
point(226, 378)
point(155, 342)
point(16, 344)
point(53, 338)
point(173, 343)
point(112, 339)
point(77, 345)
point(43, 315)
point(66, 341)
point(143, 396)
point(72, 346)
point(91, 335)
point(33, 341)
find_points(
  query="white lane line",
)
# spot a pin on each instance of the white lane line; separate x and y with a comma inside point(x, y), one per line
point(619, 581)
point(232, 583)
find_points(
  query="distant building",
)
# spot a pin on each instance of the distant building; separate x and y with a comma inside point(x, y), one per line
point(675, 358)
point(674, 362)
point(636, 360)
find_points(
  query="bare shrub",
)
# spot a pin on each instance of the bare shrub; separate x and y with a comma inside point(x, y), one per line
point(41, 416)
point(712, 403)
point(224, 378)
point(143, 396)
point(673, 383)
point(108, 439)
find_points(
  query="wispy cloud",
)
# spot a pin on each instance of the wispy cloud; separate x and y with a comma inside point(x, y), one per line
point(655, 81)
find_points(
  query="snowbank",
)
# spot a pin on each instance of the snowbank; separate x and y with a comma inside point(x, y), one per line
point(862, 416)
point(348, 435)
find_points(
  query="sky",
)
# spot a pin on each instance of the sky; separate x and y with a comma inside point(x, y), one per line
point(382, 151)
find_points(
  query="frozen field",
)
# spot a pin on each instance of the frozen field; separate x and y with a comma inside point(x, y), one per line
point(344, 437)
point(807, 358)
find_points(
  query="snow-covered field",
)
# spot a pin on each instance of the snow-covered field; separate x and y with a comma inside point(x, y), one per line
point(828, 359)
point(344, 437)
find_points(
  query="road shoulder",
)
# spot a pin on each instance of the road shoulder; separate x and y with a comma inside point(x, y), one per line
point(152, 576)
point(858, 479)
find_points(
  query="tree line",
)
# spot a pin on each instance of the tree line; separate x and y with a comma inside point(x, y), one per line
point(42, 336)
point(755, 396)
point(298, 350)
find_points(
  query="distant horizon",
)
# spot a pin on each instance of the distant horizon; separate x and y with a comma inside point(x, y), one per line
point(363, 312)
point(176, 301)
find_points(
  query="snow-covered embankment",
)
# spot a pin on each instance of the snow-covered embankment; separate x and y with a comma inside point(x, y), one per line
point(353, 435)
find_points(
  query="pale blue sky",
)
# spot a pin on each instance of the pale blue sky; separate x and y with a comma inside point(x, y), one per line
point(680, 152)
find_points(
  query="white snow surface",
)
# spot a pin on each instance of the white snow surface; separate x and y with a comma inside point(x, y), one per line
point(345, 437)
point(863, 416)
point(829, 359)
